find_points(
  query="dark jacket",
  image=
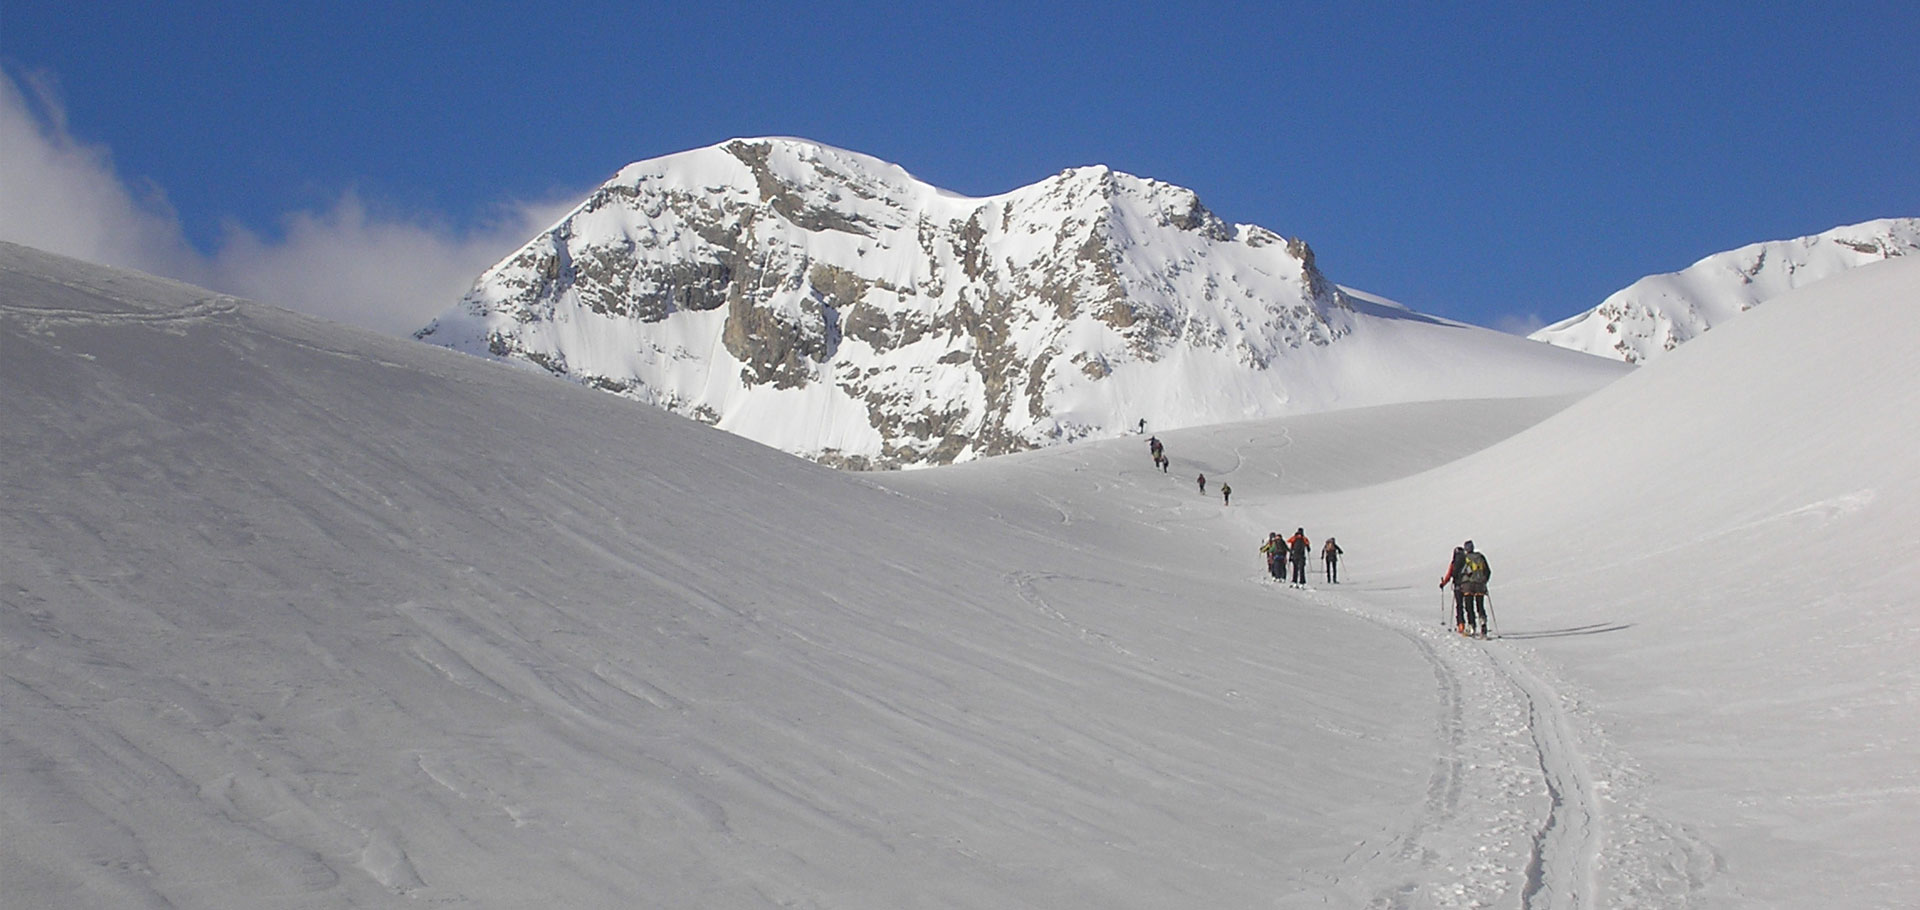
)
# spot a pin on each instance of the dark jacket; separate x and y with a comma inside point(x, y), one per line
point(1453, 569)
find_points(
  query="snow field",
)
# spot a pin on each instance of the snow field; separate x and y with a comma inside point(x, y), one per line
point(296, 616)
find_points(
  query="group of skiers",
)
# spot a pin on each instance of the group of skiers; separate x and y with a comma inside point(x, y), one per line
point(1468, 572)
point(1159, 452)
point(1281, 551)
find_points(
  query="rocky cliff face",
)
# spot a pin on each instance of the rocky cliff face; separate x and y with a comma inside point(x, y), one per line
point(827, 303)
point(1660, 312)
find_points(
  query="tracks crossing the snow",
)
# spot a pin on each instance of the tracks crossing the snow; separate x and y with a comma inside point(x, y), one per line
point(1522, 792)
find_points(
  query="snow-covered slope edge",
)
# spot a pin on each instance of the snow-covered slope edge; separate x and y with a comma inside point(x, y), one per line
point(828, 304)
point(1660, 312)
point(295, 615)
point(1718, 551)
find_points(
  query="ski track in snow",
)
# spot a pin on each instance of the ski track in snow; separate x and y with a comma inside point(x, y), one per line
point(1025, 585)
point(203, 309)
point(1520, 808)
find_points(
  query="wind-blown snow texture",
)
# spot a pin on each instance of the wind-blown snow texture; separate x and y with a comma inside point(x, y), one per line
point(828, 304)
point(1660, 312)
point(295, 615)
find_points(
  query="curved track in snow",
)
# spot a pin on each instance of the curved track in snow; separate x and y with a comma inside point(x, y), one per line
point(1517, 807)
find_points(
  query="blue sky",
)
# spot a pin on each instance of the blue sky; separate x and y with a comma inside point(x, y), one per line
point(1499, 163)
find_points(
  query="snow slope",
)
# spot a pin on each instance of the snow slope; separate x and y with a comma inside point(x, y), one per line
point(1660, 312)
point(828, 304)
point(1718, 553)
point(299, 616)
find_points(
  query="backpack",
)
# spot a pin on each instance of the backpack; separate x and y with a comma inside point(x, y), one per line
point(1475, 568)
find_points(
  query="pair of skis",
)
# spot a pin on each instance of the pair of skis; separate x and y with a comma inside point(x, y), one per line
point(1448, 616)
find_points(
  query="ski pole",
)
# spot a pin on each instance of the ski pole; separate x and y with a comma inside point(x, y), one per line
point(1493, 628)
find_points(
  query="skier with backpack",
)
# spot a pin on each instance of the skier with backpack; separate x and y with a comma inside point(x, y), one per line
point(1469, 574)
point(1226, 494)
point(1331, 553)
point(1275, 550)
point(1299, 545)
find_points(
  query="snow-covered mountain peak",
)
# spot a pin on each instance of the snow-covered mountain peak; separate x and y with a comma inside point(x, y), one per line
point(1660, 312)
point(830, 304)
point(795, 162)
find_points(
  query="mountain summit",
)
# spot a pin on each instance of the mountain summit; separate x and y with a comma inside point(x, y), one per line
point(1660, 312)
point(827, 303)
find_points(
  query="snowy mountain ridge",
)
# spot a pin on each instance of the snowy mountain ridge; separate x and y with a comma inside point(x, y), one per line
point(827, 303)
point(1658, 313)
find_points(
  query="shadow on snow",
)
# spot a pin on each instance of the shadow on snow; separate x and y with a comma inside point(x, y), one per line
point(1594, 629)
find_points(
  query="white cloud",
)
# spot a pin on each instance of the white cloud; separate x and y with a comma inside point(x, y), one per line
point(1522, 324)
point(348, 264)
point(389, 275)
point(63, 196)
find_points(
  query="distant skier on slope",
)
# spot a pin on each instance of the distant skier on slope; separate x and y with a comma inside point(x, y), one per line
point(1299, 545)
point(1331, 553)
point(1203, 488)
point(1226, 494)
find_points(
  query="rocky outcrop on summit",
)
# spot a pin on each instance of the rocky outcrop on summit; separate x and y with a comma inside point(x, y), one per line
point(1661, 312)
point(827, 303)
